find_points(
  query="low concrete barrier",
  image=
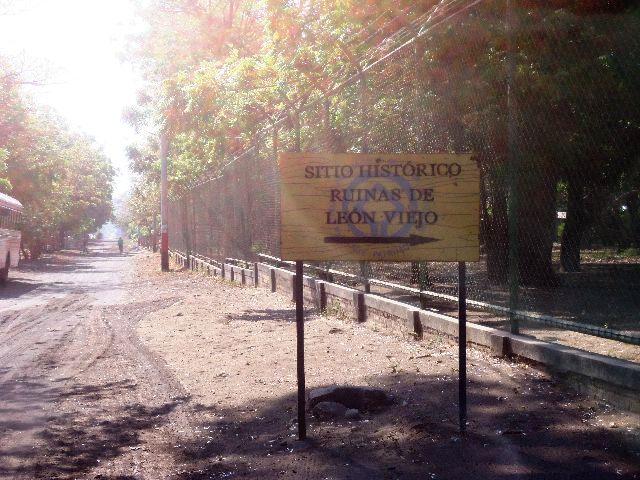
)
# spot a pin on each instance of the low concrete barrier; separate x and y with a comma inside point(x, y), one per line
point(340, 300)
point(390, 315)
point(283, 281)
point(264, 275)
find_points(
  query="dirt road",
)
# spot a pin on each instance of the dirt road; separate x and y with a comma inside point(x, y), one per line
point(76, 388)
point(110, 370)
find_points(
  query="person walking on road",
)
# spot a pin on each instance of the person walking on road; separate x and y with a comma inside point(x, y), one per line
point(120, 245)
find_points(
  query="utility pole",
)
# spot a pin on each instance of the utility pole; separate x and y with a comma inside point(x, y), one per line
point(164, 207)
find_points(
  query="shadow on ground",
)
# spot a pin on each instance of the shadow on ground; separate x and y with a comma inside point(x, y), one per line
point(76, 443)
point(71, 443)
point(16, 288)
point(276, 315)
point(511, 435)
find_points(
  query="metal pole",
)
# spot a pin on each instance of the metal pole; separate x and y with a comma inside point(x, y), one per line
point(423, 281)
point(164, 206)
point(513, 174)
point(299, 297)
point(364, 111)
point(462, 345)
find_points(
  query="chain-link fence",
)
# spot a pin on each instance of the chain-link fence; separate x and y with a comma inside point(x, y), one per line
point(547, 95)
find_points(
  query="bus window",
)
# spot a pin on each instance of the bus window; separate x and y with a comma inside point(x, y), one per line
point(9, 219)
point(5, 214)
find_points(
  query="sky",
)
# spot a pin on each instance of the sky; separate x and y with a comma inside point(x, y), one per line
point(76, 46)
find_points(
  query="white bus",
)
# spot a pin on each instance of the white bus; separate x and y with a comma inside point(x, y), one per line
point(10, 217)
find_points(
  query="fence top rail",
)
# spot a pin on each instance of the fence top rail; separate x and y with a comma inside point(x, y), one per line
point(275, 259)
point(237, 262)
point(207, 259)
point(315, 268)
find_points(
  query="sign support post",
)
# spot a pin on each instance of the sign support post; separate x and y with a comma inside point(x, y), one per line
point(462, 345)
point(299, 298)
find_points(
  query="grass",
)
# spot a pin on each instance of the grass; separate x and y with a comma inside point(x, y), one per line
point(611, 255)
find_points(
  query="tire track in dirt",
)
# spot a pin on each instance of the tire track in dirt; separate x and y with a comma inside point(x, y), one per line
point(122, 411)
point(69, 370)
point(89, 339)
point(33, 329)
point(27, 390)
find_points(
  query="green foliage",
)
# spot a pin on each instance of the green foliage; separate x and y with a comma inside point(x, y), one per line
point(221, 71)
point(62, 178)
point(140, 214)
point(5, 184)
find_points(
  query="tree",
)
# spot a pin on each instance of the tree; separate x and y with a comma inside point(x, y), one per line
point(62, 178)
point(306, 74)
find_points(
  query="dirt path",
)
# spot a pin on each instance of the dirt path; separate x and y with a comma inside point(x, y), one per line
point(110, 370)
point(77, 390)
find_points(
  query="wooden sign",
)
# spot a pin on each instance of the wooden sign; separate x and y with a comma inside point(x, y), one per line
point(379, 207)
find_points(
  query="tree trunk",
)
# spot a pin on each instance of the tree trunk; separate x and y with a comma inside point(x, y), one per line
point(35, 250)
point(496, 234)
point(573, 228)
point(633, 205)
point(186, 234)
point(536, 223)
point(61, 242)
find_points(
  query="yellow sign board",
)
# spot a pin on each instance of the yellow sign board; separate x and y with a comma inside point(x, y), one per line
point(382, 207)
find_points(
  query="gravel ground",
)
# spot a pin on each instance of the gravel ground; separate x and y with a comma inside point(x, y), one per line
point(111, 370)
point(233, 350)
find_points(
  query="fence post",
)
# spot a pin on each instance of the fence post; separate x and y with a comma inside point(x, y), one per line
point(186, 237)
point(330, 142)
point(194, 225)
point(164, 206)
point(421, 268)
point(274, 286)
point(364, 104)
point(513, 175)
point(322, 294)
